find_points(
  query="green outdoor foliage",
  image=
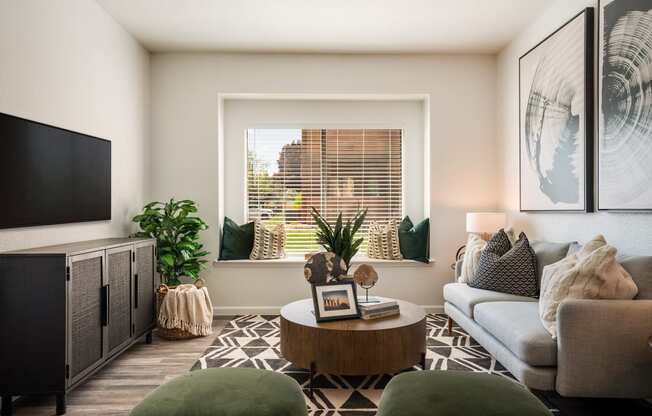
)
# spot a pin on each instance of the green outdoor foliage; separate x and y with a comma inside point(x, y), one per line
point(176, 231)
point(341, 238)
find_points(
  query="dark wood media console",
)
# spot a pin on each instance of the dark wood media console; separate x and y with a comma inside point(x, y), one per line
point(67, 310)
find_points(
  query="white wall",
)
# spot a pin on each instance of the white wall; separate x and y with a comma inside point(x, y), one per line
point(185, 88)
point(630, 233)
point(71, 65)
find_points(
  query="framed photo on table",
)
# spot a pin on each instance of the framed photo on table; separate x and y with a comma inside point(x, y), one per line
point(335, 301)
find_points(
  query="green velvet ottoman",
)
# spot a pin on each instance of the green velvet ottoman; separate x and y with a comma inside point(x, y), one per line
point(447, 393)
point(226, 392)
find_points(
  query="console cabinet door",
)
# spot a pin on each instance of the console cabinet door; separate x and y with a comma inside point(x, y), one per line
point(86, 307)
point(144, 286)
point(119, 266)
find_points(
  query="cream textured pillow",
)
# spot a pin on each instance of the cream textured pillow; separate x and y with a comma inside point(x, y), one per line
point(471, 259)
point(268, 244)
point(590, 273)
point(383, 241)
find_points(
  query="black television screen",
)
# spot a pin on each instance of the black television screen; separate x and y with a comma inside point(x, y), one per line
point(50, 175)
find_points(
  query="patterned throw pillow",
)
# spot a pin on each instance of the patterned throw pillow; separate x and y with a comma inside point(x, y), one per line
point(507, 269)
point(268, 244)
point(472, 251)
point(383, 242)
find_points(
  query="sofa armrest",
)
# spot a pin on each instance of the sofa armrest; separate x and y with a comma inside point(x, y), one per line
point(603, 349)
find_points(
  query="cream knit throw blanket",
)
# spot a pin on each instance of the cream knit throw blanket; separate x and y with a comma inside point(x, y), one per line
point(591, 273)
point(188, 308)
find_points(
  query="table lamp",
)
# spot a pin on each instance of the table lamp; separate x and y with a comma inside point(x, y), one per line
point(485, 223)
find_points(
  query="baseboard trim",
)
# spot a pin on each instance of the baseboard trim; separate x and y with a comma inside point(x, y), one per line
point(275, 310)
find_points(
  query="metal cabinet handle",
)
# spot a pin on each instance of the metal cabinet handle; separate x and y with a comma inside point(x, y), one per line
point(136, 290)
point(108, 304)
point(105, 305)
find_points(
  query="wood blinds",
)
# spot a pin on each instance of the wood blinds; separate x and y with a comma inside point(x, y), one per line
point(333, 170)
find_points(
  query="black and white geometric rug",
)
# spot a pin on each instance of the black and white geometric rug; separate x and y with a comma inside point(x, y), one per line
point(254, 341)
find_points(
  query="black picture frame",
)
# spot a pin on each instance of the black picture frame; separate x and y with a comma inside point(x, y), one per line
point(602, 4)
point(588, 15)
point(336, 286)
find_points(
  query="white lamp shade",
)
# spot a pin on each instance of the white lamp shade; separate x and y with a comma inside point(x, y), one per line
point(485, 222)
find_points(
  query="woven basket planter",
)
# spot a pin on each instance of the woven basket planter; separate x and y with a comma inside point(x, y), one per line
point(174, 333)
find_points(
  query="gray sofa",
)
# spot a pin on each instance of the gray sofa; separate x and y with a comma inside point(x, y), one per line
point(602, 346)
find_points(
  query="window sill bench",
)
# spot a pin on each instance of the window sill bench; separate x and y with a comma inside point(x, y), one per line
point(301, 261)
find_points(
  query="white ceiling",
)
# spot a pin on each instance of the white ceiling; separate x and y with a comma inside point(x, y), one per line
point(348, 26)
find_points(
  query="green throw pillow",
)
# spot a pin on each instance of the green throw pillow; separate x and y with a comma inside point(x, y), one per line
point(414, 240)
point(237, 240)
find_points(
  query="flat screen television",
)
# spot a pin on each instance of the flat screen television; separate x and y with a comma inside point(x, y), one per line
point(50, 175)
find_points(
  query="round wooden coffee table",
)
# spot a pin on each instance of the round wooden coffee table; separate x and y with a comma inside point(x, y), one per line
point(353, 347)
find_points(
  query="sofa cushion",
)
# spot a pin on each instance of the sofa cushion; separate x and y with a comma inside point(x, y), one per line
point(518, 327)
point(640, 268)
point(465, 297)
point(548, 253)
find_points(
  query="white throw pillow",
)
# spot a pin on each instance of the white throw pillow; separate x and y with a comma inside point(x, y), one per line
point(591, 273)
point(471, 259)
point(268, 243)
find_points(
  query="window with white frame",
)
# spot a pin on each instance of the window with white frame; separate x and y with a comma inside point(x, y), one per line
point(334, 170)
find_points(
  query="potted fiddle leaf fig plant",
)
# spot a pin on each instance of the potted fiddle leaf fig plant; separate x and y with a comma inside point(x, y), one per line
point(340, 238)
point(176, 227)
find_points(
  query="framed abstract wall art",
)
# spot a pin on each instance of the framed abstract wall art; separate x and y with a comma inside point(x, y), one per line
point(556, 121)
point(625, 105)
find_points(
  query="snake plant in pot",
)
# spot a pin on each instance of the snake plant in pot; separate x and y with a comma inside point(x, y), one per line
point(176, 227)
point(340, 238)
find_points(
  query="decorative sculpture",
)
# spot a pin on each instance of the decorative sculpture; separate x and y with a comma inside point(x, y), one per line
point(324, 268)
point(366, 277)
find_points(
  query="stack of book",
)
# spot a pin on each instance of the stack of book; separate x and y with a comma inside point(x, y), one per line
point(381, 308)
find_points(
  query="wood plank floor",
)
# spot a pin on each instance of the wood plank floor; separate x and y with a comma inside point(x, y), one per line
point(118, 387)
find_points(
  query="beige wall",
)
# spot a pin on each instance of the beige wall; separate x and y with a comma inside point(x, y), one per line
point(239, 115)
point(628, 232)
point(71, 65)
point(185, 91)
